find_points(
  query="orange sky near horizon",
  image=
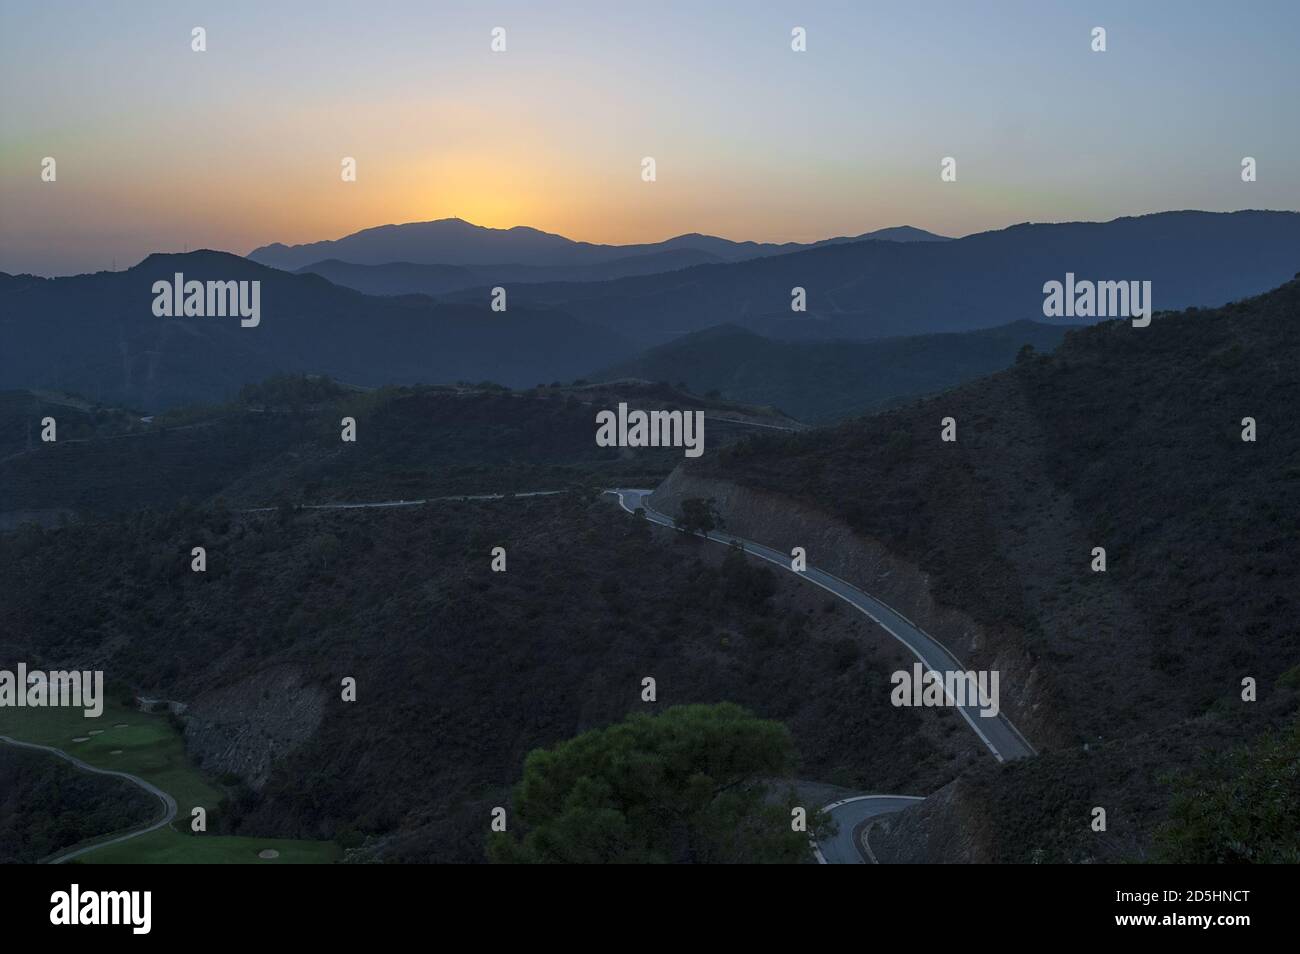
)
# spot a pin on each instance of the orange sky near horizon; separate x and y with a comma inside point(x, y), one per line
point(160, 147)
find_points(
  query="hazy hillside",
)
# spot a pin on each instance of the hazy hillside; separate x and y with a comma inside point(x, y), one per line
point(457, 242)
point(826, 381)
point(460, 671)
point(876, 289)
point(21, 413)
point(404, 600)
point(280, 441)
point(408, 278)
point(1124, 438)
point(97, 335)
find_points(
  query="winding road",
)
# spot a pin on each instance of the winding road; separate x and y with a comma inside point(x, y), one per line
point(852, 814)
point(381, 504)
point(1002, 738)
point(168, 803)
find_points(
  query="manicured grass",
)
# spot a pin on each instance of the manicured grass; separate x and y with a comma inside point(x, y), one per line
point(150, 747)
point(168, 846)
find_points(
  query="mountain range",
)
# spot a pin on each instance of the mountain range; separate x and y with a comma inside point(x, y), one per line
point(96, 334)
point(823, 381)
point(876, 289)
point(1123, 673)
point(457, 242)
point(1124, 680)
point(1128, 439)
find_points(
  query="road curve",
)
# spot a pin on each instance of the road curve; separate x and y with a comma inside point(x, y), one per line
point(851, 813)
point(168, 803)
point(1001, 737)
point(732, 420)
point(997, 732)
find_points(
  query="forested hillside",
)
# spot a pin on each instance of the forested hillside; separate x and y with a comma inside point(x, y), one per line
point(823, 382)
point(460, 670)
point(1129, 439)
point(280, 441)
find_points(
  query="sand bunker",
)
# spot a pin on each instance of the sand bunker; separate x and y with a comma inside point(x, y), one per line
point(115, 752)
point(121, 725)
point(96, 731)
point(81, 738)
point(268, 854)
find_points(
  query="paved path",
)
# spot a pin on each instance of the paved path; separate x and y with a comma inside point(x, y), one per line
point(404, 503)
point(168, 803)
point(852, 814)
point(1002, 738)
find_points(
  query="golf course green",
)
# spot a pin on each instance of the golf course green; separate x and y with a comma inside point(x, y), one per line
point(148, 745)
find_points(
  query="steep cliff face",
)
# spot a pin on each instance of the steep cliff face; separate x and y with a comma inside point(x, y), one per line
point(946, 828)
point(831, 545)
point(249, 726)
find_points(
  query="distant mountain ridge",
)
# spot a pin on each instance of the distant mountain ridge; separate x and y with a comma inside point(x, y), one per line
point(824, 381)
point(97, 335)
point(874, 289)
point(457, 242)
point(413, 278)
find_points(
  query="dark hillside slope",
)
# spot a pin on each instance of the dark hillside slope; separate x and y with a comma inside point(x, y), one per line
point(281, 441)
point(460, 671)
point(875, 289)
point(47, 805)
point(819, 381)
point(1124, 438)
point(97, 335)
point(409, 278)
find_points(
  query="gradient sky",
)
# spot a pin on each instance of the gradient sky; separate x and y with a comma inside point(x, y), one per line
point(160, 148)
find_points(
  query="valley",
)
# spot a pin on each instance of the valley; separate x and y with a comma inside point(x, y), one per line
point(373, 562)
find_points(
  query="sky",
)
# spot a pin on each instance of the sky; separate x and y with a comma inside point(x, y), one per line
point(160, 148)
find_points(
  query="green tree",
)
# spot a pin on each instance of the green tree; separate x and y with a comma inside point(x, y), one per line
point(699, 516)
point(684, 786)
point(1240, 808)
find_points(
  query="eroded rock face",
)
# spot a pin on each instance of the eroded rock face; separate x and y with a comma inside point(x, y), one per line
point(248, 726)
point(943, 829)
point(832, 546)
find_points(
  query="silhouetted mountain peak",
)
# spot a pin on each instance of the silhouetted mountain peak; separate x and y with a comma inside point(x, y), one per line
point(905, 233)
point(199, 256)
point(454, 241)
